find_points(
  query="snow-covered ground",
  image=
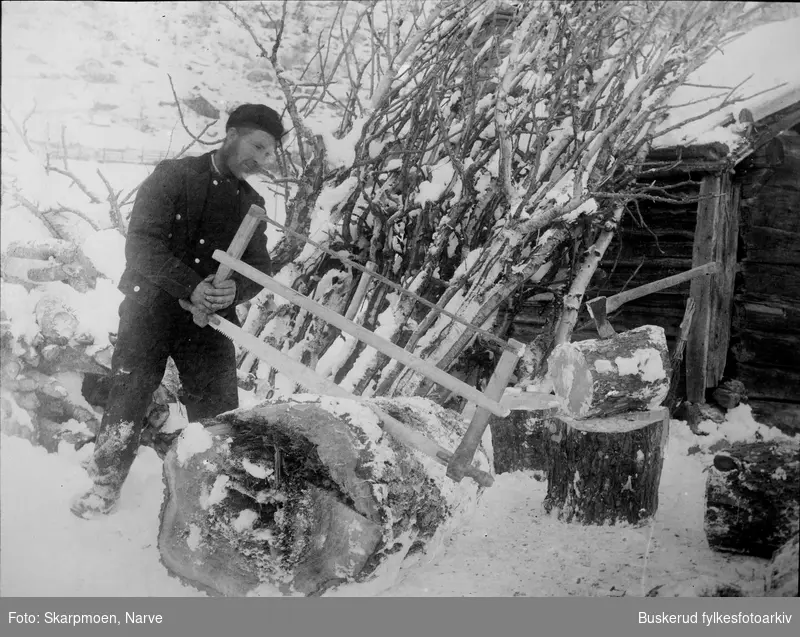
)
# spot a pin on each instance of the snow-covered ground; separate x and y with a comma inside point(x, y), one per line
point(510, 547)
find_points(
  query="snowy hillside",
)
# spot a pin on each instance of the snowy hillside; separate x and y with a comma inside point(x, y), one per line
point(100, 69)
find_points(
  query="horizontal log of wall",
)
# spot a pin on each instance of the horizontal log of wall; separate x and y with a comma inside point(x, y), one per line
point(762, 313)
point(676, 244)
point(764, 278)
point(767, 348)
point(769, 383)
point(710, 152)
point(774, 207)
point(654, 241)
point(771, 245)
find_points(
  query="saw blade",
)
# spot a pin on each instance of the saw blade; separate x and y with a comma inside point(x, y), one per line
point(229, 331)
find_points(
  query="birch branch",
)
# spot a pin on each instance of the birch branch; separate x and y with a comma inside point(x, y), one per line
point(573, 298)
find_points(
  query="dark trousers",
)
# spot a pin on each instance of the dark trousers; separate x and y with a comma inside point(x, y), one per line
point(206, 362)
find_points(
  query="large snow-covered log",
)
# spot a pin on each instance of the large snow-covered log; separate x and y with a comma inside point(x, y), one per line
point(52, 260)
point(782, 570)
point(751, 497)
point(44, 250)
point(604, 377)
point(305, 496)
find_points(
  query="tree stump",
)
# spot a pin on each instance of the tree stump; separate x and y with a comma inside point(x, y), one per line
point(782, 570)
point(305, 496)
point(606, 463)
point(605, 377)
point(751, 498)
point(605, 478)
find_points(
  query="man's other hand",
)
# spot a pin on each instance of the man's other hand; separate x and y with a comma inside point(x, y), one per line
point(202, 297)
point(223, 294)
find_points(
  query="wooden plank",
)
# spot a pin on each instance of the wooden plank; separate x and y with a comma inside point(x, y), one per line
point(722, 288)
point(465, 452)
point(706, 237)
point(370, 338)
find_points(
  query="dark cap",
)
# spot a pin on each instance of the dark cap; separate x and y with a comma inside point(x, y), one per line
point(257, 116)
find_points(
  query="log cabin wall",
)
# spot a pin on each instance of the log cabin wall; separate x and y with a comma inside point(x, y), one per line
point(659, 240)
point(765, 341)
point(654, 242)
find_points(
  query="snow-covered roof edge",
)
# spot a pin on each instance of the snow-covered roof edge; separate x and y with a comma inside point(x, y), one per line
point(764, 62)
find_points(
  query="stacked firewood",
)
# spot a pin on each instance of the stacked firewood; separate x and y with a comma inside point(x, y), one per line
point(48, 350)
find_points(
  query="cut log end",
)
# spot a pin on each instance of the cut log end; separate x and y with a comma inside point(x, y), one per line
point(56, 321)
point(605, 377)
point(751, 498)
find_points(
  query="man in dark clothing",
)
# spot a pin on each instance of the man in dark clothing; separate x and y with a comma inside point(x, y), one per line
point(183, 212)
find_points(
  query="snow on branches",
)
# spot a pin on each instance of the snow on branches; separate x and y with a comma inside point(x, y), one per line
point(499, 135)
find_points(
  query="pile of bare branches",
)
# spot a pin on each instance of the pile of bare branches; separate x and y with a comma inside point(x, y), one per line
point(500, 149)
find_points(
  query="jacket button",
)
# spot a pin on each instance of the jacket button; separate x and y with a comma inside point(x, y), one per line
point(216, 183)
point(202, 241)
point(197, 260)
point(169, 236)
point(178, 217)
point(136, 288)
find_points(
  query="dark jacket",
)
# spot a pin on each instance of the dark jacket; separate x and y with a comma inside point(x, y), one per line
point(165, 218)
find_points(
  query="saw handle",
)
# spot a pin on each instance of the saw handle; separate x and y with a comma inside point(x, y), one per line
point(241, 240)
point(236, 249)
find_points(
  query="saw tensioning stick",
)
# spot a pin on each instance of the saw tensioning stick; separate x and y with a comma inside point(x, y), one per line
point(367, 336)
